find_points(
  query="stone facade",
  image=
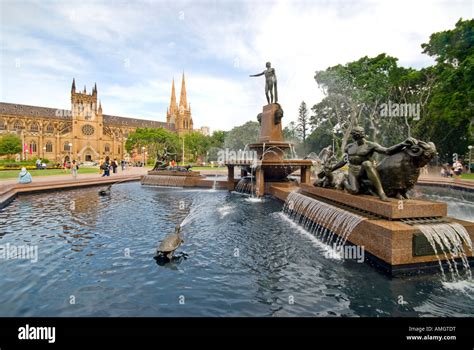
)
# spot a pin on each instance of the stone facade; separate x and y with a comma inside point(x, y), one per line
point(180, 115)
point(84, 133)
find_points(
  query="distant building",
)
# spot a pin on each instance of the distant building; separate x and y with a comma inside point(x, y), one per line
point(205, 130)
point(84, 133)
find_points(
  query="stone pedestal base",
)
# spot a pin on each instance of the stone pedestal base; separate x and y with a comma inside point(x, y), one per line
point(269, 131)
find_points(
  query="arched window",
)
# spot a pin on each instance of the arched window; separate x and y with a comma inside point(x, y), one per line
point(34, 127)
point(49, 147)
point(66, 146)
point(50, 128)
point(107, 147)
point(33, 146)
point(3, 125)
point(118, 150)
point(17, 125)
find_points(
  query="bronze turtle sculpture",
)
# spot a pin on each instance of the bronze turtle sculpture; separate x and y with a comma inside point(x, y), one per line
point(170, 243)
point(105, 192)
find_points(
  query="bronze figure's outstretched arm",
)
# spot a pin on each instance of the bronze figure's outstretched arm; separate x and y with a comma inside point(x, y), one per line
point(257, 75)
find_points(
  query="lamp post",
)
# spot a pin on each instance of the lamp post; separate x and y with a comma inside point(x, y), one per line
point(143, 153)
point(470, 151)
point(182, 158)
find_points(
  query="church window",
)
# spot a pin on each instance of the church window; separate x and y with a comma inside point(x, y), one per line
point(49, 147)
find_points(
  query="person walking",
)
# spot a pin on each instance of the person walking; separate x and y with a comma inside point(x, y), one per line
point(24, 177)
point(114, 166)
point(122, 163)
point(106, 166)
point(74, 169)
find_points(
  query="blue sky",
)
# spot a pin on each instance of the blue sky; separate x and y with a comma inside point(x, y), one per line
point(134, 49)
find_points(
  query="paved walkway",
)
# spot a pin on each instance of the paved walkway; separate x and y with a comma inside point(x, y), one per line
point(448, 181)
point(68, 176)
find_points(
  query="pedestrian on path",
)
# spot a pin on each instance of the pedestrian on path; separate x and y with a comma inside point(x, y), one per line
point(74, 169)
point(106, 166)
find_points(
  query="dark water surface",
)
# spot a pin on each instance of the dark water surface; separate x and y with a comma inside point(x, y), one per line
point(95, 258)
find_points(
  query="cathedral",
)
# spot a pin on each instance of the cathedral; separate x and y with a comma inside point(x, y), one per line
point(84, 133)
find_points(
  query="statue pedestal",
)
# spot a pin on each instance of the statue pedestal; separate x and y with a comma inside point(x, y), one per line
point(268, 130)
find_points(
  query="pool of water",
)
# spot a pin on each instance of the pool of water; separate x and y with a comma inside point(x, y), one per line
point(244, 258)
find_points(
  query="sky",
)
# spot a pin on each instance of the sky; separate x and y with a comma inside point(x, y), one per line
point(134, 49)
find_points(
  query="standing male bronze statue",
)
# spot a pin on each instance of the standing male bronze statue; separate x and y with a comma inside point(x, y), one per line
point(359, 156)
point(270, 83)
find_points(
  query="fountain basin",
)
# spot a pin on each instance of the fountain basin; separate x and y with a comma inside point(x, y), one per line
point(391, 244)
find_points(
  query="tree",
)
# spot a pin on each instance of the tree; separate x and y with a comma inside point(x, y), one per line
point(10, 144)
point(242, 135)
point(196, 144)
point(218, 138)
point(156, 140)
point(450, 110)
point(290, 132)
point(303, 121)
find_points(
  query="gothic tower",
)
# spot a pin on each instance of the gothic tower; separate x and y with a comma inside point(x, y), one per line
point(87, 124)
point(180, 115)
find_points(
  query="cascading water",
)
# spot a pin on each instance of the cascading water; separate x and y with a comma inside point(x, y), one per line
point(163, 180)
point(325, 221)
point(449, 239)
point(244, 185)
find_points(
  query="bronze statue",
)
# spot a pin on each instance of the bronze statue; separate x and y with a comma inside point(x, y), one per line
point(326, 161)
point(278, 115)
point(361, 166)
point(399, 172)
point(270, 83)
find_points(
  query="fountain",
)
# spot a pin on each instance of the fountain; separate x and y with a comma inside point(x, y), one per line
point(268, 162)
point(399, 235)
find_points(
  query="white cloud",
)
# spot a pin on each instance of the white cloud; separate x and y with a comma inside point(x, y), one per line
point(217, 44)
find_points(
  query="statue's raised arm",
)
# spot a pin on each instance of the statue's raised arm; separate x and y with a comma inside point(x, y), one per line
point(270, 83)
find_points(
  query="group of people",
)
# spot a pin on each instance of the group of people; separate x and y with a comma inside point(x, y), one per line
point(449, 171)
point(108, 164)
point(40, 164)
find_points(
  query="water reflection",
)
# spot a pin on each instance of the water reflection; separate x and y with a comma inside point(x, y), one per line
point(239, 258)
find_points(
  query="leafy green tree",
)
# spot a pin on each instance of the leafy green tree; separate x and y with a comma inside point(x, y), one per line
point(218, 138)
point(156, 140)
point(449, 119)
point(196, 144)
point(239, 136)
point(10, 144)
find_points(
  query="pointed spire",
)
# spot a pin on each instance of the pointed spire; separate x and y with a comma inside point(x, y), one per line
point(100, 105)
point(85, 91)
point(94, 90)
point(173, 99)
point(73, 88)
point(183, 101)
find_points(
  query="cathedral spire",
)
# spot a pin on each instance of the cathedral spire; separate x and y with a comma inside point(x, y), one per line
point(183, 101)
point(94, 90)
point(73, 88)
point(173, 99)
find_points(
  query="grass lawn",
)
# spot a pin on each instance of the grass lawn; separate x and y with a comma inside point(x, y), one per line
point(467, 176)
point(11, 174)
